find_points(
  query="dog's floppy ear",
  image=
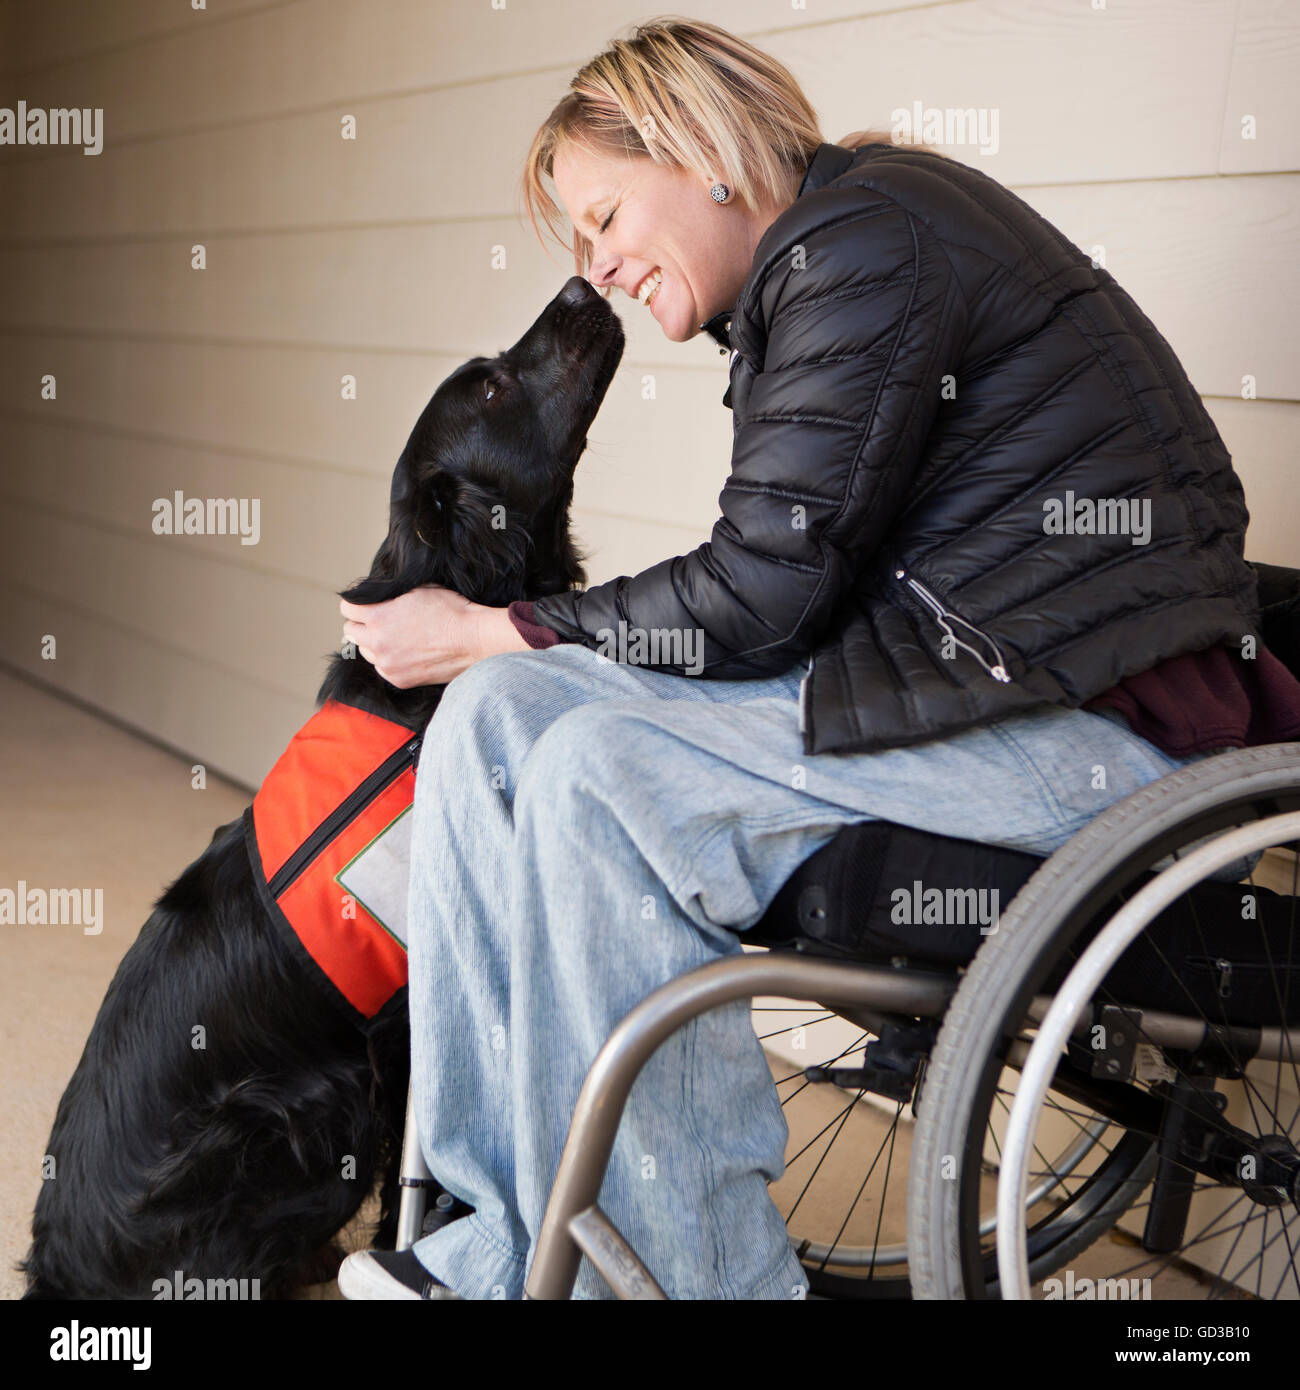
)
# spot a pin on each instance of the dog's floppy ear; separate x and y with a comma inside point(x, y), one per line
point(452, 532)
point(403, 562)
point(484, 549)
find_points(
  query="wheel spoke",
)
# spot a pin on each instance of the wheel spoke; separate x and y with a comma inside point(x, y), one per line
point(875, 1243)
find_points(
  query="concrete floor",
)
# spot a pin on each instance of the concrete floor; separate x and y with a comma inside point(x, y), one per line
point(86, 803)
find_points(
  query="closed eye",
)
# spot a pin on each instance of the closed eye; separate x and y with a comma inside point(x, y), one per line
point(608, 220)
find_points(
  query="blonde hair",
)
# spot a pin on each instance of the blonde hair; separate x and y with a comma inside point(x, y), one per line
point(690, 96)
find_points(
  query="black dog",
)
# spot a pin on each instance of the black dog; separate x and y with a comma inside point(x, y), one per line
point(228, 1162)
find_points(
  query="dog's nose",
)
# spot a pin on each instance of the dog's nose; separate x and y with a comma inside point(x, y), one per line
point(576, 289)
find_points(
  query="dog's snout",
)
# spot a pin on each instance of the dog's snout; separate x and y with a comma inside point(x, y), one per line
point(576, 289)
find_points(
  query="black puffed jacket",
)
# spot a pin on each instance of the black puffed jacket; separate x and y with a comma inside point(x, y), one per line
point(926, 379)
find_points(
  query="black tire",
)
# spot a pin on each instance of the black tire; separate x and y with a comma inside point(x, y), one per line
point(1058, 905)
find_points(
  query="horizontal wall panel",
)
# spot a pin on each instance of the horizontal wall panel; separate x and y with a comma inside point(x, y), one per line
point(271, 634)
point(663, 459)
point(1231, 239)
point(111, 445)
point(1263, 85)
point(208, 708)
point(1211, 262)
point(287, 404)
point(320, 527)
point(266, 400)
point(210, 714)
point(331, 56)
point(622, 545)
point(60, 31)
point(315, 525)
point(413, 289)
point(288, 57)
point(1261, 437)
point(297, 171)
point(406, 163)
point(106, 811)
point(1081, 93)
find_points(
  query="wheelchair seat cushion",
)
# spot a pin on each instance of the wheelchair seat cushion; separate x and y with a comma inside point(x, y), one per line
point(879, 891)
point(885, 893)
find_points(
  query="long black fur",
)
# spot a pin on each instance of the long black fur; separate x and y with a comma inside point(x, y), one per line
point(228, 1162)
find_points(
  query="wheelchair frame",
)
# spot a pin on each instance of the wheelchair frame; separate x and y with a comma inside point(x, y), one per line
point(574, 1224)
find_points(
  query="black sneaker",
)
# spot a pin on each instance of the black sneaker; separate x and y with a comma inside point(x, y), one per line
point(379, 1274)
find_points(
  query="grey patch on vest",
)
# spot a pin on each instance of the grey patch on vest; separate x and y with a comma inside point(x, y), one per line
point(378, 877)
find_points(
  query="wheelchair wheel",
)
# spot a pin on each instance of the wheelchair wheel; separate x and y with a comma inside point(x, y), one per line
point(843, 1192)
point(1208, 996)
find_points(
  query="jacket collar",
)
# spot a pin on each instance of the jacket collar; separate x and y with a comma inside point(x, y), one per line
point(719, 329)
point(828, 163)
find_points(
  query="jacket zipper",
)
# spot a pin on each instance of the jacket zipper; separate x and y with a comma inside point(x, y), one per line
point(803, 694)
point(346, 811)
point(997, 669)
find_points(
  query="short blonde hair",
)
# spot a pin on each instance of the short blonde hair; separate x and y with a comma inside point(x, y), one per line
point(688, 95)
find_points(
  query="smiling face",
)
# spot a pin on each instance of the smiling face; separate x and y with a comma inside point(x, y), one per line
point(647, 223)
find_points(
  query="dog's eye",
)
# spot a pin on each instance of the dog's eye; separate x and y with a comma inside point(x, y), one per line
point(497, 379)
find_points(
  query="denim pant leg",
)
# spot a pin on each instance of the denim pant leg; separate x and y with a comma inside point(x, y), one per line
point(622, 842)
point(461, 924)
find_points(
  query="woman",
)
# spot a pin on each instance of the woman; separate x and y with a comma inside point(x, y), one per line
point(901, 614)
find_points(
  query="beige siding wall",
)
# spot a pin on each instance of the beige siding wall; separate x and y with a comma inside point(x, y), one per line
point(374, 258)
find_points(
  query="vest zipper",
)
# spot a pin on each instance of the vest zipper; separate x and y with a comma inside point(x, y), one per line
point(347, 810)
point(942, 615)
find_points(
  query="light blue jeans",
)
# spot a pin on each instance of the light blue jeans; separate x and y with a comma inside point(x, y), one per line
point(585, 831)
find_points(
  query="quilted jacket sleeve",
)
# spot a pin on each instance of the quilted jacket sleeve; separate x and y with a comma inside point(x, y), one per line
point(857, 317)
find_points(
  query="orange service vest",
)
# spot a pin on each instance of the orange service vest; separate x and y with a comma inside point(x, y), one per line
point(328, 835)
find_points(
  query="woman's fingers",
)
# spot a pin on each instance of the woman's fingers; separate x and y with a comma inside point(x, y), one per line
point(422, 637)
point(363, 612)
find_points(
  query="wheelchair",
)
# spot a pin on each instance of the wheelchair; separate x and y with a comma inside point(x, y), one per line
point(1101, 1081)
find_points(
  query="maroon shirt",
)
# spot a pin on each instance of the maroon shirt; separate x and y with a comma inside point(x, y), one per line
point(1211, 699)
point(1187, 704)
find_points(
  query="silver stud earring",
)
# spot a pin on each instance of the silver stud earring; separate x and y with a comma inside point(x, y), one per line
point(719, 193)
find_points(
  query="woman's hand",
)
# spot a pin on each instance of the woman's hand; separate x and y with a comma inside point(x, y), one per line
point(427, 636)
